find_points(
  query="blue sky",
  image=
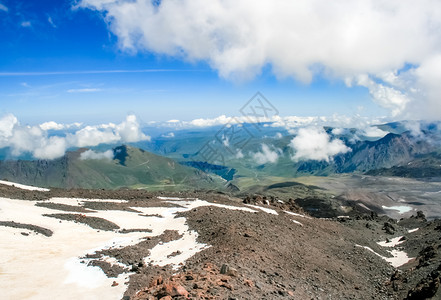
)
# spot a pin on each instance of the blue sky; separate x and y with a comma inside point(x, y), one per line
point(119, 65)
point(58, 59)
point(54, 63)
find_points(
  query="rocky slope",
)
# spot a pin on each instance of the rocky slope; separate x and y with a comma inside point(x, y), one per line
point(263, 248)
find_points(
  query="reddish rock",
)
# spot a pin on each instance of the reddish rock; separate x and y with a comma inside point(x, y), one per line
point(248, 282)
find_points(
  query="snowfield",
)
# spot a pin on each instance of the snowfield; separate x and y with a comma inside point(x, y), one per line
point(25, 253)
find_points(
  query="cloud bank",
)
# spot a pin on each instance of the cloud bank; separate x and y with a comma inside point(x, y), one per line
point(36, 140)
point(392, 48)
point(313, 143)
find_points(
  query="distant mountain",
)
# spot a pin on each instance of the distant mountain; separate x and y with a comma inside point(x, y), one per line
point(130, 167)
point(424, 166)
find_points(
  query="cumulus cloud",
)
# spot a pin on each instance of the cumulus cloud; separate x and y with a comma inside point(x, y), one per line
point(51, 125)
point(356, 41)
point(267, 155)
point(36, 140)
point(313, 143)
point(90, 154)
point(130, 131)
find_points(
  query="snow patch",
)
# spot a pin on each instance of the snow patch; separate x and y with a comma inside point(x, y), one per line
point(400, 209)
point(392, 243)
point(24, 187)
point(295, 214)
point(297, 222)
point(264, 209)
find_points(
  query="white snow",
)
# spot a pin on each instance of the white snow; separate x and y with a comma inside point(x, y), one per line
point(187, 246)
point(52, 268)
point(399, 257)
point(295, 214)
point(412, 230)
point(393, 242)
point(24, 187)
point(364, 206)
point(264, 209)
point(80, 201)
point(297, 222)
point(400, 209)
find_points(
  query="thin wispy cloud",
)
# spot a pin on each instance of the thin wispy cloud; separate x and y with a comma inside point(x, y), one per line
point(49, 19)
point(90, 90)
point(26, 24)
point(4, 74)
point(3, 8)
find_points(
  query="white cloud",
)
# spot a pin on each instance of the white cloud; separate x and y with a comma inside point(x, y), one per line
point(372, 132)
point(313, 143)
point(414, 127)
point(50, 148)
point(51, 125)
point(169, 135)
point(89, 90)
point(35, 139)
point(266, 155)
point(3, 8)
point(93, 136)
point(90, 154)
point(339, 131)
point(392, 98)
point(221, 120)
point(26, 24)
point(130, 130)
point(49, 19)
point(239, 154)
point(298, 39)
point(7, 124)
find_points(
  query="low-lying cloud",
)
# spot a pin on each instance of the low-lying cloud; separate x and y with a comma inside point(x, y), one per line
point(36, 140)
point(267, 155)
point(313, 143)
point(90, 154)
point(392, 48)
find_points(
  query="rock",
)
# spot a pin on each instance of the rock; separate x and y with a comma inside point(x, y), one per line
point(224, 269)
point(426, 288)
point(248, 282)
point(166, 298)
point(232, 272)
point(389, 228)
point(420, 215)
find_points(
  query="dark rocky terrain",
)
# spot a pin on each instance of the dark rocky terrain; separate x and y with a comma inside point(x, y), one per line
point(265, 256)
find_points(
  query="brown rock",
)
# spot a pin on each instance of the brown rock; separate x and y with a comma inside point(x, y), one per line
point(248, 282)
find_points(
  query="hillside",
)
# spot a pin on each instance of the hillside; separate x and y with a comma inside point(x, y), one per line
point(207, 246)
point(130, 167)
